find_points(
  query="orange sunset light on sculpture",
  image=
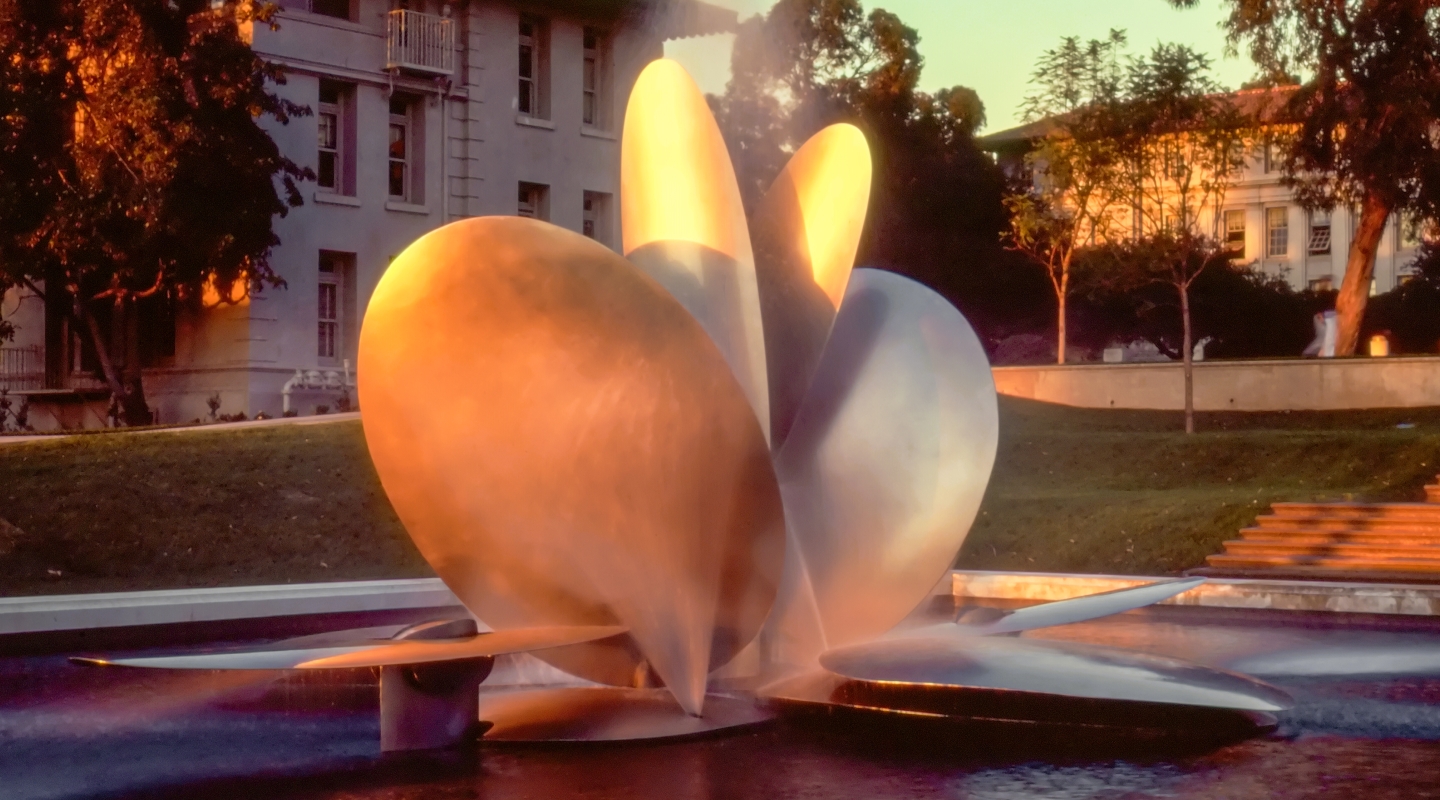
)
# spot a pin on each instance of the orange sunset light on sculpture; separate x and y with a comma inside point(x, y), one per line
point(705, 481)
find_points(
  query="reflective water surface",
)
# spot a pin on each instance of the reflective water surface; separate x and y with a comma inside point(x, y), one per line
point(1369, 728)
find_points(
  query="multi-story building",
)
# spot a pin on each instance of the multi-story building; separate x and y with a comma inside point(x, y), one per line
point(425, 111)
point(1261, 220)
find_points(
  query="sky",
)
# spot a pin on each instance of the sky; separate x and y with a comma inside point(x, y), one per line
point(992, 45)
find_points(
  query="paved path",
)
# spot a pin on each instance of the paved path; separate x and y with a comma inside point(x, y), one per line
point(318, 419)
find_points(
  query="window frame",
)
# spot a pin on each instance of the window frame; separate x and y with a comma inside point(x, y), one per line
point(1271, 228)
point(532, 98)
point(405, 123)
point(594, 78)
point(536, 197)
point(1321, 238)
point(335, 114)
point(1232, 243)
point(329, 328)
point(595, 214)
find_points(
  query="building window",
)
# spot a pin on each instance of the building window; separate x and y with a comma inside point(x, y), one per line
point(594, 219)
point(333, 168)
point(1235, 231)
point(1324, 283)
point(329, 124)
point(399, 153)
point(595, 79)
point(328, 313)
point(534, 64)
point(1411, 231)
point(1277, 232)
point(1319, 233)
point(532, 201)
point(1274, 159)
point(340, 9)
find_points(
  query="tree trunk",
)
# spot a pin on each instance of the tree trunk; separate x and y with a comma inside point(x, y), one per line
point(1187, 357)
point(1061, 292)
point(131, 397)
point(1359, 270)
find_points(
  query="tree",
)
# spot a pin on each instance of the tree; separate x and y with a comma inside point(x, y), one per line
point(1074, 166)
point(1361, 128)
point(936, 211)
point(1180, 143)
point(133, 170)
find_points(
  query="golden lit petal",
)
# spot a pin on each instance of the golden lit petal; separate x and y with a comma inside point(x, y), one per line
point(677, 184)
point(566, 446)
point(684, 224)
point(806, 231)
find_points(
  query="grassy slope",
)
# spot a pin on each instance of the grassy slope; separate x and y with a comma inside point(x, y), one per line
point(1128, 492)
point(162, 510)
point(1075, 490)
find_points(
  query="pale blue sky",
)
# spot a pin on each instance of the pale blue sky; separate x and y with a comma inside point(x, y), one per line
point(991, 45)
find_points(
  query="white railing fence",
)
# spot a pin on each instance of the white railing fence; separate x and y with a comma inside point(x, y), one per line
point(419, 42)
point(22, 368)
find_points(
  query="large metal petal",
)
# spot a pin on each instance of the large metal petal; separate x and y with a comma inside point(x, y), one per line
point(495, 643)
point(805, 233)
point(1076, 609)
point(883, 471)
point(292, 654)
point(566, 446)
point(606, 715)
point(683, 222)
point(1050, 667)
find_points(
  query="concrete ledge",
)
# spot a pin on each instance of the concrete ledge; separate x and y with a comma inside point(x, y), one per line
point(125, 609)
point(1273, 595)
point(21, 615)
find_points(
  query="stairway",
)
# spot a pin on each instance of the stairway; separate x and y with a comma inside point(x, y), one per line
point(1338, 541)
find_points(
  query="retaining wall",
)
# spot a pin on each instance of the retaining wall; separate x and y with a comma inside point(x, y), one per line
point(1268, 385)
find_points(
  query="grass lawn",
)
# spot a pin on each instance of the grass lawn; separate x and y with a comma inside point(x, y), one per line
point(167, 510)
point(1091, 490)
point(1073, 490)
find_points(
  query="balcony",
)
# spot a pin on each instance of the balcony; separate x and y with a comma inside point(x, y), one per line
point(416, 42)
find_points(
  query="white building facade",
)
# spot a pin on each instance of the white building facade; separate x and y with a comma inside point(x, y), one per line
point(425, 112)
point(1260, 218)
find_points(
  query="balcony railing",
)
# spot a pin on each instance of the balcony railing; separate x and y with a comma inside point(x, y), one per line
point(22, 368)
point(419, 42)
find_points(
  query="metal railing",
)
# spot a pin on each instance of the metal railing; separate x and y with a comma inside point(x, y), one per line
point(22, 368)
point(419, 42)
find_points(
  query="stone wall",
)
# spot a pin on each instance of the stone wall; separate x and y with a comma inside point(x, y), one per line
point(1233, 385)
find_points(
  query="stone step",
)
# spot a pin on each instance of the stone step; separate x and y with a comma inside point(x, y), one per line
point(1280, 525)
point(1328, 574)
point(1314, 562)
point(1416, 511)
point(1250, 547)
point(1301, 535)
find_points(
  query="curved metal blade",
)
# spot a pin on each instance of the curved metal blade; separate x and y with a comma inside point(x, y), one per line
point(581, 453)
point(806, 231)
point(883, 471)
point(486, 644)
point(683, 223)
point(1051, 667)
point(1077, 609)
point(285, 655)
point(606, 715)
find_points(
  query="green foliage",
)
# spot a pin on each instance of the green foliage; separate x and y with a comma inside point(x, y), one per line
point(132, 164)
point(1409, 314)
point(1359, 131)
point(1243, 312)
point(935, 213)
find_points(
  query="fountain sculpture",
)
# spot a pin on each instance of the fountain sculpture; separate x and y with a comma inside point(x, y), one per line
point(712, 474)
